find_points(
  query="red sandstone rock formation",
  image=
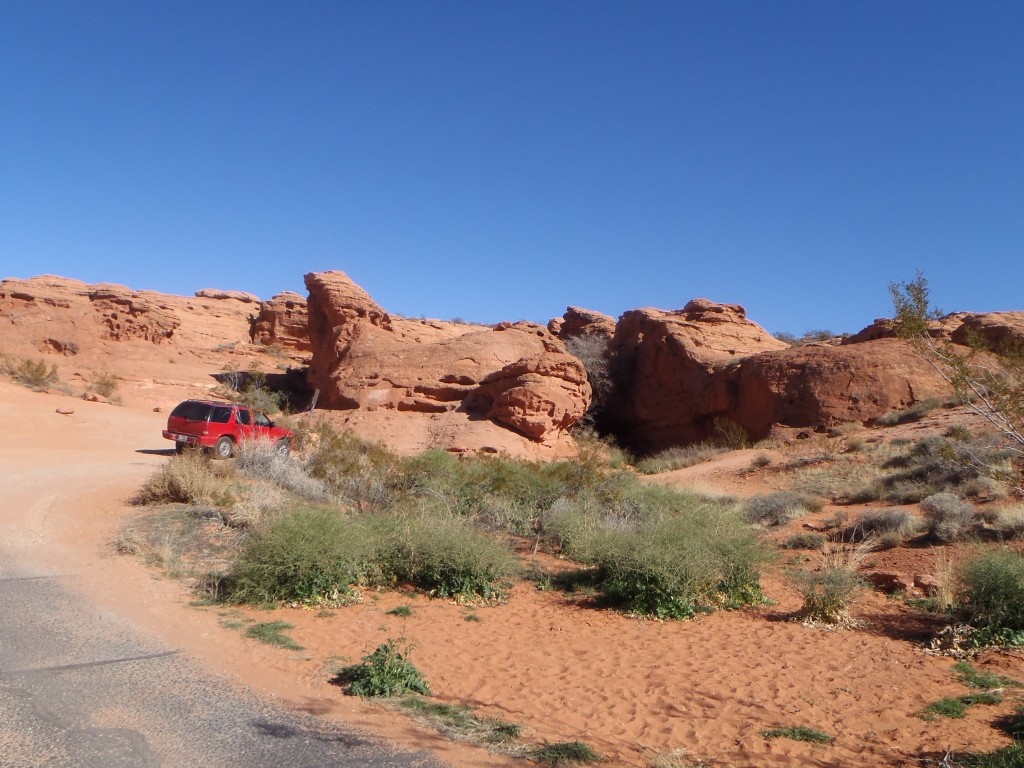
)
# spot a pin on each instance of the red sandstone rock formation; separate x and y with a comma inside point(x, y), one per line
point(819, 386)
point(283, 320)
point(667, 362)
point(582, 322)
point(452, 376)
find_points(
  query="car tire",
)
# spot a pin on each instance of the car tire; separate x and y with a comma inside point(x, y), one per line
point(283, 447)
point(224, 449)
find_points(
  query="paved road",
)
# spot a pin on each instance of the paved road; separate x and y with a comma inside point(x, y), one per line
point(78, 687)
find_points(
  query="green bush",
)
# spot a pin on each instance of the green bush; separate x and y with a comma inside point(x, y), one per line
point(385, 672)
point(448, 557)
point(676, 567)
point(990, 591)
point(310, 554)
point(563, 752)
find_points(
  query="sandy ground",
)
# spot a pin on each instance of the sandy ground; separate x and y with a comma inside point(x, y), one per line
point(635, 690)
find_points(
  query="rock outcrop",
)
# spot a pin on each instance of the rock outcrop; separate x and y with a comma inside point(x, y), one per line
point(667, 362)
point(58, 314)
point(516, 377)
point(217, 293)
point(284, 320)
point(820, 386)
point(578, 322)
point(1001, 331)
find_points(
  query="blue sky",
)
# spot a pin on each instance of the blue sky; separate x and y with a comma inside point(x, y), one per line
point(502, 160)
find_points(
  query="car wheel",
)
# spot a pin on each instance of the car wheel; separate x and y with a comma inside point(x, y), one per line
point(283, 447)
point(224, 449)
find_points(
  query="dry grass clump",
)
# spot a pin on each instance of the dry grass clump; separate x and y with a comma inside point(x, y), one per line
point(679, 457)
point(188, 478)
point(915, 412)
point(881, 522)
point(263, 460)
point(779, 507)
point(948, 517)
point(808, 540)
point(1009, 521)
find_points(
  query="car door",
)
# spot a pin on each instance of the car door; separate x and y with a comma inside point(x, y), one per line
point(245, 424)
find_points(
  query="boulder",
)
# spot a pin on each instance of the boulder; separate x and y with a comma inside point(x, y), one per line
point(284, 320)
point(820, 386)
point(513, 376)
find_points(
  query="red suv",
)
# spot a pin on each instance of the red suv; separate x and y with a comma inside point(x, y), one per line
point(221, 426)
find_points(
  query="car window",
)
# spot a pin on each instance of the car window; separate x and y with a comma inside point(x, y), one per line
point(220, 415)
point(263, 421)
point(192, 411)
point(244, 416)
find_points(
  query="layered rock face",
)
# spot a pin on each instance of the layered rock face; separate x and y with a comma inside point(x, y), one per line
point(58, 314)
point(457, 378)
point(283, 320)
point(822, 386)
point(666, 365)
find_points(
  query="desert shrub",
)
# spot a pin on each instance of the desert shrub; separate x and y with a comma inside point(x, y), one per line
point(947, 516)
point(728, 433)
point(104, 383)
point(827, 593)
point(916, 412)
point(310, 554)
point(960, 433)
point(1009, 521)
point(804, 541)
point(990, 592)
point(385, 672)
point(188, 478)
point(829, 590)
point(678, 566)
point(779, 507)
point(879, 522)
point(679, 457)
point(448, 557)
point(562, 752)
point(34, 374)
point(592, 350)
point(261, 460)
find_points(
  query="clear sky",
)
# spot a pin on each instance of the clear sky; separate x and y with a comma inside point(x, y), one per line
point(502, 160)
